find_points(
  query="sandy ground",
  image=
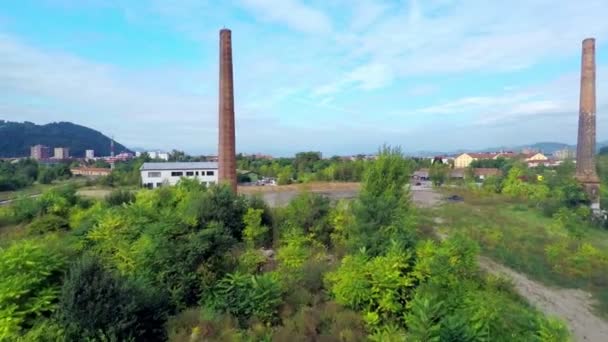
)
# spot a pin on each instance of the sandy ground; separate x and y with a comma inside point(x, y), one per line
point(572, 306)
point(277, 196)
point(94, 193)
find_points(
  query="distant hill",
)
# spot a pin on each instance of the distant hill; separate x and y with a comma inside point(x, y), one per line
point(16, 138)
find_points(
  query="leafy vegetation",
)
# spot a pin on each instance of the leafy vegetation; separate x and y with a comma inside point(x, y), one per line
point(191, 263)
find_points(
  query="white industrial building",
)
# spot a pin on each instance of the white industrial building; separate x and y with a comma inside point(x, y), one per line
point(154, 175)
point(155, 155)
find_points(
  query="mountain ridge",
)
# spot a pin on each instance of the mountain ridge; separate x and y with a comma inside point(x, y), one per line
point(18, 137)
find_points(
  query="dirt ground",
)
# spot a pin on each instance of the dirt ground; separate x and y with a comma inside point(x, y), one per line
point(94, 193)
point(572, 306)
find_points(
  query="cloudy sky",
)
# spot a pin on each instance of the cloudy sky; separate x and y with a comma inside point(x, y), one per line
point(338, 76)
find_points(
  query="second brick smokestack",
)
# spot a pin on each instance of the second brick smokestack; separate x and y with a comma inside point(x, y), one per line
point(585, 149)
point(227, 149)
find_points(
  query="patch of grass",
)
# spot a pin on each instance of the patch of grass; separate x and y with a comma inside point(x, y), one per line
point(522, 238)
point(37, 188)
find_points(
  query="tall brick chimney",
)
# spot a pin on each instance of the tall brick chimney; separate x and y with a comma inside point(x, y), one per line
point(227, 150)
point(585, 148)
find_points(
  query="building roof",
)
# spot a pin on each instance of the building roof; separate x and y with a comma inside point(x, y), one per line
point(178, 166)
point(486, 172)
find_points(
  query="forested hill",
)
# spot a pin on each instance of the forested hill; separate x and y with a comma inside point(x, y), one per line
point(16, 138)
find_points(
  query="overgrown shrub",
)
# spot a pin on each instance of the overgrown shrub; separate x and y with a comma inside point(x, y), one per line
point(46, 224)
point(30, 274)
point(120, 197)
point(96, 304)
point(248, 297)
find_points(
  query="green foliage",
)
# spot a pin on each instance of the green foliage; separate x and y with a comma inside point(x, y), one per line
point(305, 167)
point(310, 213)
point(382, 211)
point(323, 322)
point(380, 285)
point(423, 319)
point(29, 283)
point(46, 224)
point(96, 304)
point(498, 163)
point(515, 186)
point(552, 329)
point(14, 176)
point(254, 233)
point(248, 297)
point(438, 173)
point(120, 197)
point(295, 249)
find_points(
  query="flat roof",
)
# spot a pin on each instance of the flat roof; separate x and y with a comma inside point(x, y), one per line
point(178, 166)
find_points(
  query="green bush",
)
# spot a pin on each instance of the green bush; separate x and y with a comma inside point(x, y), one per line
point(249, 297)
point(46, 224)
point(96, 304)
point(310, 212)
point(30, 272)
point(120, 197)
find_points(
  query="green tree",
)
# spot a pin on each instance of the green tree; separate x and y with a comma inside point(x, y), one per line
point(382, 210)
point(439, 173)
point(30, 272)
point(96, 304)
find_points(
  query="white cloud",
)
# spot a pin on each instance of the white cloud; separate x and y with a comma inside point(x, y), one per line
point(292, 13)
point(423, 38)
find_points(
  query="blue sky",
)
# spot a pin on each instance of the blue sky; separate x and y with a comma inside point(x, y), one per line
point(338, 76)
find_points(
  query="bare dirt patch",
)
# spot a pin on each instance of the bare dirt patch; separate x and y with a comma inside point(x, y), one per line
point(573, 306)
point(94, 193)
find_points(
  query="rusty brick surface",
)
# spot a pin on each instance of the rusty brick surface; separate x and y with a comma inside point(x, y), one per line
point(585, 149)
point(226, 146)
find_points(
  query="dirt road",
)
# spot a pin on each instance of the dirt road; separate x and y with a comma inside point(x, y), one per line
point(572, 306)
point(575, 307)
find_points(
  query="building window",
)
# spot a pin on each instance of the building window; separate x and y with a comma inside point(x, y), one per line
point(189, 173)
point(177, 174)
point(197, 173)
point(211, 183)
point(158, 185)
point(210, 173)
point(154, 174)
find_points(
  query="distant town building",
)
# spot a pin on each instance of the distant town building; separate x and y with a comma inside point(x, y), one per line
point(61, 153)
point(564, 154)
point(546, 162)
point(534, 157)
point(89, 154)
point(464, 160)
point(483, 173)
point(154, 175)
point(40, 152)
point(90, 171)
point(154, 154)
point(119, 157)
point(159, 155)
